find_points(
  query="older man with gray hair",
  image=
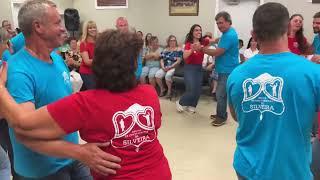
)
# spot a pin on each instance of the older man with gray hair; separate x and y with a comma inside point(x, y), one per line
point(38, 76)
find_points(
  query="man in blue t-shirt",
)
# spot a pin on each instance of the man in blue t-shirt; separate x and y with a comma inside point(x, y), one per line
point(227, 58)
point(36, 78)
point(275, 115)
point(316, 30)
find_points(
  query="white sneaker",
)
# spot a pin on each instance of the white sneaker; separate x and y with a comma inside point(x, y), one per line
point(191, 109)
point(179, 107)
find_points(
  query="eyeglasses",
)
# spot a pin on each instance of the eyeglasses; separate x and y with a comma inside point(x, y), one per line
point(172, 40)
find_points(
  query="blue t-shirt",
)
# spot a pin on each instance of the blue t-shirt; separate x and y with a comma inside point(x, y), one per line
point(6, 55)
point(18, 42)
point(229, 60)
point(139, 66)
point(275, 101)
point(39, 82)
point(316, 44)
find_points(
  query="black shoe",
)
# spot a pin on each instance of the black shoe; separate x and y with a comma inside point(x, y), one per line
point(217, 121)
point(213, 116)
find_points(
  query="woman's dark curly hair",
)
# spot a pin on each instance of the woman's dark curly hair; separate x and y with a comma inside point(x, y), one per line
point(300, 37)
point(189, 36)
point(115, 60)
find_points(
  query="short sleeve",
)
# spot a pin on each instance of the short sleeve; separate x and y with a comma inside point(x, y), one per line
point(20, 86)
point(69, 113)
point(225, 42)
point(187, 46)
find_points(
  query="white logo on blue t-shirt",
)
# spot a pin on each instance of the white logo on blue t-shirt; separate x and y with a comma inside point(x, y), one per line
point(66, 77)
point(263, 94)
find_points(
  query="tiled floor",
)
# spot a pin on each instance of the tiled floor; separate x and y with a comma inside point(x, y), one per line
point(195, 149)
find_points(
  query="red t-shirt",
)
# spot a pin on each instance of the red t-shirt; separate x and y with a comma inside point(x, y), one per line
point(89, 47)
point(128, 120)
point(196, 57)
point(294, 46)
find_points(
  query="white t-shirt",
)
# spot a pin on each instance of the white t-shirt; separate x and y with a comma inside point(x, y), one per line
point(248, 53)
point(208, 59)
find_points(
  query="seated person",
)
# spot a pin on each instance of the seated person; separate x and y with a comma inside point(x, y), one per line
point(73, 57)
point(252, 49)
point(116, 112)
point(151, 59)
point(171, 57)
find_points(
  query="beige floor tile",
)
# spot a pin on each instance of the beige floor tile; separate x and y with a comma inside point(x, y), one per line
point(195, 149)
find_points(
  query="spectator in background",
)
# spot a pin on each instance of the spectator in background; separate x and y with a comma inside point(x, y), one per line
point(73, 57)
point(193, 74)
point(7, 25)
point(151, 59)
point(241, 51)
point(87, 45)
point(122, 24)
point(140, 34)
point(147, 41)
point(296, 41)
point(170, 57)
point(252, 49)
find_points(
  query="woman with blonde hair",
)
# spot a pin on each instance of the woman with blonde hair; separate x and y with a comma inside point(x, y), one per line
point(170, 58)
point(87, 45)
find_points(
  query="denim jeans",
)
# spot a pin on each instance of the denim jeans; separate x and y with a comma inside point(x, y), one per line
point(315, 165)
point(193, 82)
point(5, 169)
point(88, 81)
point(74, 171)
point(221, 94)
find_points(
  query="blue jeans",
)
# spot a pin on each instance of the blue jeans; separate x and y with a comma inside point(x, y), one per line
point(221, 94)
point(193, 82)
point(74, 171)
point(315, 165)
point(5, 169)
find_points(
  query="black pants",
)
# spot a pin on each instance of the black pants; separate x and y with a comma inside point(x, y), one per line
point(6, 144)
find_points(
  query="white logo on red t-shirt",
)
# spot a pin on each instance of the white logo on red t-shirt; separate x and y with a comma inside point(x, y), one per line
point(133, 127)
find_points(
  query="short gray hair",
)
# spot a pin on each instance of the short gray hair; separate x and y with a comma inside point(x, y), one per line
point(225, 15)
point(30, 11)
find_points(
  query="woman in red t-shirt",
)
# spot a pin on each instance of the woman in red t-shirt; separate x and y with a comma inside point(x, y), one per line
point(87, 45)
point(296, 41)
point(193, 57)
point(117, 112)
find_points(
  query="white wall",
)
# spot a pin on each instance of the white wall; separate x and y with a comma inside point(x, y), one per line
point(241, 15)
point(153, 16)
point(150, 16)
point(6, 9)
